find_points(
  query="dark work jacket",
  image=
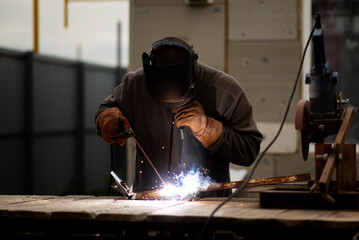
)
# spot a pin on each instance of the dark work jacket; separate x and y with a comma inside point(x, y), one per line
point(221, 97)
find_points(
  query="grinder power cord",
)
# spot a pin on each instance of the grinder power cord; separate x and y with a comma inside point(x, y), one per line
point(249, 176)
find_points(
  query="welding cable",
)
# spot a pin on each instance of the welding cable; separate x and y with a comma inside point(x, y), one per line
point(171, 143)
point(240, 189)
point(181, 146)
point(111, 169)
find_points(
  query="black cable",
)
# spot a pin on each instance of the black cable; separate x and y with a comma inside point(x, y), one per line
point(171, 143)
point(240, 189)
point(111, 169)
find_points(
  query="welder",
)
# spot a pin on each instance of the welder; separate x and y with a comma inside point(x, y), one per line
point(185, 115)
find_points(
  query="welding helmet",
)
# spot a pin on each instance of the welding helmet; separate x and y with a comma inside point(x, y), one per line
point(171, 83)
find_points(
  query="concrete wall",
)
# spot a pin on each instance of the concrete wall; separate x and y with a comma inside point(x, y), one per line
point(202, 26)
point(264, 55)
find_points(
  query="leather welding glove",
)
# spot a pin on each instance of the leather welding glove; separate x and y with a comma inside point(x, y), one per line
point(206, 129)
point(108, 122)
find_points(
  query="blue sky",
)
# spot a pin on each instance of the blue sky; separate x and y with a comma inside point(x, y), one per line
point(90, 36)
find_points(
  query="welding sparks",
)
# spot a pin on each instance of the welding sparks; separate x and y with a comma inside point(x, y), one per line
point(187, 185)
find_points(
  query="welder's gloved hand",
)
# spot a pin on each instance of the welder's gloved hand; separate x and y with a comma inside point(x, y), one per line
point(206, 129)
point(108, 123)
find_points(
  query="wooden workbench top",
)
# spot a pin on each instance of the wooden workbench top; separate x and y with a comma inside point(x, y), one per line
point(237, 212)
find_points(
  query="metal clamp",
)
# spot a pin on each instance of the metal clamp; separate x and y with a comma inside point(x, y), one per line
point(121, 186)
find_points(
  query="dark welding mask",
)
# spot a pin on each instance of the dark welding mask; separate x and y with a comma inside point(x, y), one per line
point(171, 85)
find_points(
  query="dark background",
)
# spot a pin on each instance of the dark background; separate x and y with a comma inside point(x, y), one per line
point(48, 141)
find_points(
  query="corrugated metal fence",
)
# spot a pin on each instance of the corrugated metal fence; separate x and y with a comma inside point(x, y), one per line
point(48, 143)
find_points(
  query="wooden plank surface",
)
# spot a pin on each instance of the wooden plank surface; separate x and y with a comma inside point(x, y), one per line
point(133, 210)
point(79, 207)
point(247, 211)
point(37, 207)
point(11, 199)
point(238, 211)
point(297, 218)
point(338, 219)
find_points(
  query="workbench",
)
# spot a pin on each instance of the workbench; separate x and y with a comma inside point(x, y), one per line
point(90, 217)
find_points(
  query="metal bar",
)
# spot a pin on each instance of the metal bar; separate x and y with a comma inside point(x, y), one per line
point(36, 25)
point(259, 182)
point(119, 35)
point(66, 13)
point(80, 126)
point(156, 194)
point(29, 124)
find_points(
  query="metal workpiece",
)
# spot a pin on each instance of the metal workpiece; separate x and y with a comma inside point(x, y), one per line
point(158, 194)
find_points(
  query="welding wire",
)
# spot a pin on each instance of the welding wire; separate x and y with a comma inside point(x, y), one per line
point(111, 169)
point(139, 146)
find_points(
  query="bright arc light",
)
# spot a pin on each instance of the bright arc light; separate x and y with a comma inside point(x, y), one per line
point(188, 185)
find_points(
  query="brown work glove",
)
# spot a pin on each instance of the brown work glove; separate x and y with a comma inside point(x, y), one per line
point(206, 129)
point(108, 123)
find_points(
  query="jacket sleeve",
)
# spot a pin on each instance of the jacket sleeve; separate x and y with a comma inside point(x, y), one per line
point(240, 140)
point(109, 102)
